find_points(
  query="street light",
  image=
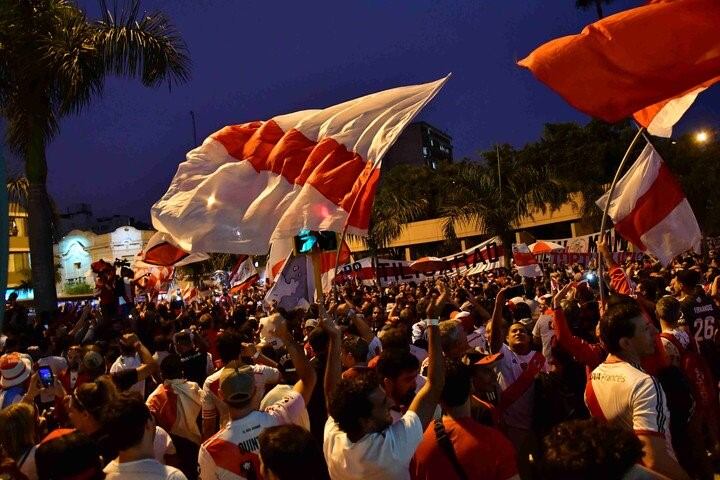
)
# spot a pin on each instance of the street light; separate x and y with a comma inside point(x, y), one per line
point(702, 136)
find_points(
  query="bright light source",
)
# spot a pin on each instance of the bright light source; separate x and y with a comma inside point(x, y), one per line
point(702, 136)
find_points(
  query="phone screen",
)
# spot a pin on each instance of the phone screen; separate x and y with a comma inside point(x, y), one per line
point(46, 376)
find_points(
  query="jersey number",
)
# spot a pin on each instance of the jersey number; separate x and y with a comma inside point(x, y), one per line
point(705, 328)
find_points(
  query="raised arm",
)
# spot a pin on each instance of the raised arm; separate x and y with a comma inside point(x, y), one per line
point(149, 365)
point(304, 370)
point(494, 327)
point(583, 352)
point(333, 368)
point(426, 400)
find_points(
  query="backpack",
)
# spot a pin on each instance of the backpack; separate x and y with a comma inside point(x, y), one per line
point(697, 372)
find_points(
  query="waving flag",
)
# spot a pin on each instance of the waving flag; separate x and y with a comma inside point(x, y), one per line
point(634, 60)
point(162, 251)
point(650, 210)
point(243, 275)
point(525, 261)
point(280, 252)
point(317, 169)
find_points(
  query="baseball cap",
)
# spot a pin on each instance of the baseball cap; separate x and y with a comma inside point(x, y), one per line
point(488, 359)
point(311, 323)
point(237, 383)
point(93, 360)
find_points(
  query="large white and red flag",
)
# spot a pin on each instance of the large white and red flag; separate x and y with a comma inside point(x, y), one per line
point(252, 183)
point(650, 210)
point(651, 61)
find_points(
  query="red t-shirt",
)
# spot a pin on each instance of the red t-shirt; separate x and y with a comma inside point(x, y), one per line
point(483, 452)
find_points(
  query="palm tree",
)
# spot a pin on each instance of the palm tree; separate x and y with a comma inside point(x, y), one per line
point(585, 4)
point(496, 205)
point(53, 62)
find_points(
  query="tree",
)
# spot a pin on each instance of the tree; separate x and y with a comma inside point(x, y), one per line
point(476, 194)
point(53, 63)
point(585, 4)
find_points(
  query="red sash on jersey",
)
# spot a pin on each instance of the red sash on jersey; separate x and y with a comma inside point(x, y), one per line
point(592, 402)
point(163, 405)
point(698, 373)
point(511, 394)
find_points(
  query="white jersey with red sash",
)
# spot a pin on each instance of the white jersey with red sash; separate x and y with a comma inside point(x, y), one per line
point(516, 377)
point(624, 394)
point(231, 454)
point(213, 406)
point(176, 406)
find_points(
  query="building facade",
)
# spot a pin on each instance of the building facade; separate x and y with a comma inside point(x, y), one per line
point(420, 144)
point(19, 256)
point(77, 250)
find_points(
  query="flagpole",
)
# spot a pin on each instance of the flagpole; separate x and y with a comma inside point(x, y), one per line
point(640, 133)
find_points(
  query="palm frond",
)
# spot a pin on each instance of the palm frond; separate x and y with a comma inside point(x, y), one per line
point(148, 47)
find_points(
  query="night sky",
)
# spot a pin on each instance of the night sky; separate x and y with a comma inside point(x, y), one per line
point(253, 60)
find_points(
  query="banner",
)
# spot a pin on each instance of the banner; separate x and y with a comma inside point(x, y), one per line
point(483, 257)
point(583, 249)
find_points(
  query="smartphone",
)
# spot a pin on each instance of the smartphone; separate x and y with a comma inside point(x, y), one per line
point(46, 376)
point(516, 291)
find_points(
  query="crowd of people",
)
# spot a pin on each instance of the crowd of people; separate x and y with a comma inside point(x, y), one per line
point(492, 376)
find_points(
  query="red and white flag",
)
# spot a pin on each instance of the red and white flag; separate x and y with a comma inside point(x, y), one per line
point(162, 251)
point(642, 58)
point(243, 274)
point(525, 261)
point(650, 210)
point(252, 183)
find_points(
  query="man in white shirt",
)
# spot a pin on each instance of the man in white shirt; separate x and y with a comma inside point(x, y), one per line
point(361, 441)
point(232, 453)
point(621, 392)
point(133, 434)
point(215, 412)
point(129, 358)
point(517, 368)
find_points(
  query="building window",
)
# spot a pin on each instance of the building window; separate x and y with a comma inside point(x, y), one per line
point(18, 262)
point(77, 265)
point(13, 228)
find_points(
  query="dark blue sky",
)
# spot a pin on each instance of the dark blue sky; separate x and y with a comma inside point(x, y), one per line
point(252, 60)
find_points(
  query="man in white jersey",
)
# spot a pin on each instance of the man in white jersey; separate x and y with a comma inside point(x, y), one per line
point(232, 453)
point(215, 413)
point(620, 391)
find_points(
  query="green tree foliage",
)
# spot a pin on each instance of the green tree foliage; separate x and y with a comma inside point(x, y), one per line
point(597, 4)
point(568, 158)
point(53, 62)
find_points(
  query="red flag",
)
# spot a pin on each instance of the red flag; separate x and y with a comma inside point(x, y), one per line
point(634, 59)
point(162, 251)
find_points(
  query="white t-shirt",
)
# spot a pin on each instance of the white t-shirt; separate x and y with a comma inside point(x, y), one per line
point(233, 451)
point(146, 469)
point(212, 405)
point(510, 367)
point(126, 363)
point(162, 445)
point(377, 456)
point(624, 394)
point(544, 330)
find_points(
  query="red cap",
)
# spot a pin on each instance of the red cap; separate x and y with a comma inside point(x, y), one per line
point(489, 359)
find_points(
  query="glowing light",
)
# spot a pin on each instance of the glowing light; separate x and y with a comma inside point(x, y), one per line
point(702, 136)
